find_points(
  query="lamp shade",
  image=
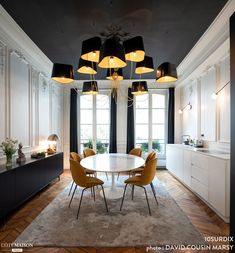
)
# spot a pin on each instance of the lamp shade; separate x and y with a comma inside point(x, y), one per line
point(91, 49)
point(86, 67)
point(114, 74)
point(134, 49)
point(139, 88)
point(112, 54)
point(62, 73)
point(53, 137)
point(90, 88)
point(144, 66)
point(166, 72)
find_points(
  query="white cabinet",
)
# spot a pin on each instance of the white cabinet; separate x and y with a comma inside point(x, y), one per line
point(205, 175)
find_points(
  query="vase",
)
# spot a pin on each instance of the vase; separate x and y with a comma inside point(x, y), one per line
point(9, 160)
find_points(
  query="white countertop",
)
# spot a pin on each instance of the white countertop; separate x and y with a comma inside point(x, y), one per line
point(208, 152)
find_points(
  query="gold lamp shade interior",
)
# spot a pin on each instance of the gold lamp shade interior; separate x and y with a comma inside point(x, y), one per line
point(145, 66)
point(134, 49)
point(114, 74)
point(166, 72)
point(91, 49)
point(112, 54)
point(86, 67)
point(62, 73)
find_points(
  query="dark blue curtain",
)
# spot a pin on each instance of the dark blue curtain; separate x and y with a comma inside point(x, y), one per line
point(171, 116)
point(130, 143)
point(113, 125)
point(73, 122)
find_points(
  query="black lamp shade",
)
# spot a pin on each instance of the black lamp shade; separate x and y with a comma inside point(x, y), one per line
point(90, 88)
point(139, 88)
point(114, 74)
point(91, 49)
point(134, 49)
point(112, 54)
point(144, 66)
point(86, 67)
point(166, 72)
point(62, 73)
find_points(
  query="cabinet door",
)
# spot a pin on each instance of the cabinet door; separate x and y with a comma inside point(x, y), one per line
point(187, 168)
point(217, 185)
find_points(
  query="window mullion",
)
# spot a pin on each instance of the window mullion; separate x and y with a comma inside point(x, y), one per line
point(150, 122)
point(94, 123)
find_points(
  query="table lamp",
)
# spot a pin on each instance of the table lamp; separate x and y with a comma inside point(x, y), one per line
point(52, 140)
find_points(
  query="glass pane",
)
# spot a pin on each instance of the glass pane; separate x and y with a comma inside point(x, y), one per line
point(158, 101)
point(141, 132)
point(102, 101)
point(86, 101)
point(102, 116)
point(142, 101)
point(102, 146)
point(158, 131)
point(141, 116)
point(156, 145)
point(158, 116)
point(85, 144)
point(143, 144)
point(86, 132)
point(86, 116)
point(103, 132)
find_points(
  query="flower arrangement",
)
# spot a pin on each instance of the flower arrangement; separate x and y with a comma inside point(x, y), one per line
point(9, 148)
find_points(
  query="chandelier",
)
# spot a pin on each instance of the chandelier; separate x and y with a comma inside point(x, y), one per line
point(113, 55)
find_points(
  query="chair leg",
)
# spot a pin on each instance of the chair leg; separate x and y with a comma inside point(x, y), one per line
point(105, 199)
point(123, 197)
point(147, 199)
point(107, 176)
point(72, 196)
point(71, 188)
point(154, 193)
point(118, 175)
point(80, 202)
point(132, 192)
point(93, 192)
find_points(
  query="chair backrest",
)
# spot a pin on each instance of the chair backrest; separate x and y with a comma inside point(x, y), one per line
point(75, 156)
point(136, 152)
point(88, 152)
point(151, 155)
point(78, 173)
point(149, 172)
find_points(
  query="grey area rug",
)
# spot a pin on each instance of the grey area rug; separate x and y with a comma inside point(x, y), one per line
point(57, 225)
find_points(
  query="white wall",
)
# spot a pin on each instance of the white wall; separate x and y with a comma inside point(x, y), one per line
point(30, 103)
point(203, 71)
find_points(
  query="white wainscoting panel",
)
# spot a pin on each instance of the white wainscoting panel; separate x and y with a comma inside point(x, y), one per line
point(19, 99)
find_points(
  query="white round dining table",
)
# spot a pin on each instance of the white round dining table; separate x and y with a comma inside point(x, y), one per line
point(112, 163)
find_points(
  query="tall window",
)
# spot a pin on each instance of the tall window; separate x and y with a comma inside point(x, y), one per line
point(94, 122)
point(150, 119)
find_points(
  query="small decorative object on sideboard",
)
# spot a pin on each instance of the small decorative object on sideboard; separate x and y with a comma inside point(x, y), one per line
point(52, 140)
point(38, 155)
point(21, 156)
point(9, 148)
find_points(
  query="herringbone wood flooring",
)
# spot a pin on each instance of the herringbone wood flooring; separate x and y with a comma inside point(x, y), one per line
point(201, 216)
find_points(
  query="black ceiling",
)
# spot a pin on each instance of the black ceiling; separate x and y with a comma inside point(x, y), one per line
point(170, 28)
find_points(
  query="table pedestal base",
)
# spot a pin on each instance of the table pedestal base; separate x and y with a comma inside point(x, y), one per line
point(113, 193)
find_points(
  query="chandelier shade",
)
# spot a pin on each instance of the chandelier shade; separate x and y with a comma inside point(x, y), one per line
point(86, 67)
point(145, 66)
point(114, 74)
point(91, 49)
point(134, 49)
point(62, 73)
point(112, 54)
point(139, 88)
point(166, 72)
point(90, 88)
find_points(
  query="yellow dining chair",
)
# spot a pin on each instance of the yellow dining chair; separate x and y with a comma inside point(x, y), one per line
point(76, 157)
point(151, 155)
point(89, 152)
point(136, 152)
point(144, 179)
point(81, 179)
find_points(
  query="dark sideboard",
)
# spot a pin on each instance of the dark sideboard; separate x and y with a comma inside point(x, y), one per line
point(20, 182)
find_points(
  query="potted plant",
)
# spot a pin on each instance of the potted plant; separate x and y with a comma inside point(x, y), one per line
point(9, 148)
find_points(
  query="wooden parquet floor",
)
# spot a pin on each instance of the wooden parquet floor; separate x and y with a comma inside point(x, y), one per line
point(201, 216)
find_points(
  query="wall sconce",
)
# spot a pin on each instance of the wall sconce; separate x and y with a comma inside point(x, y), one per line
point(188, 107)
point(215, 94)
